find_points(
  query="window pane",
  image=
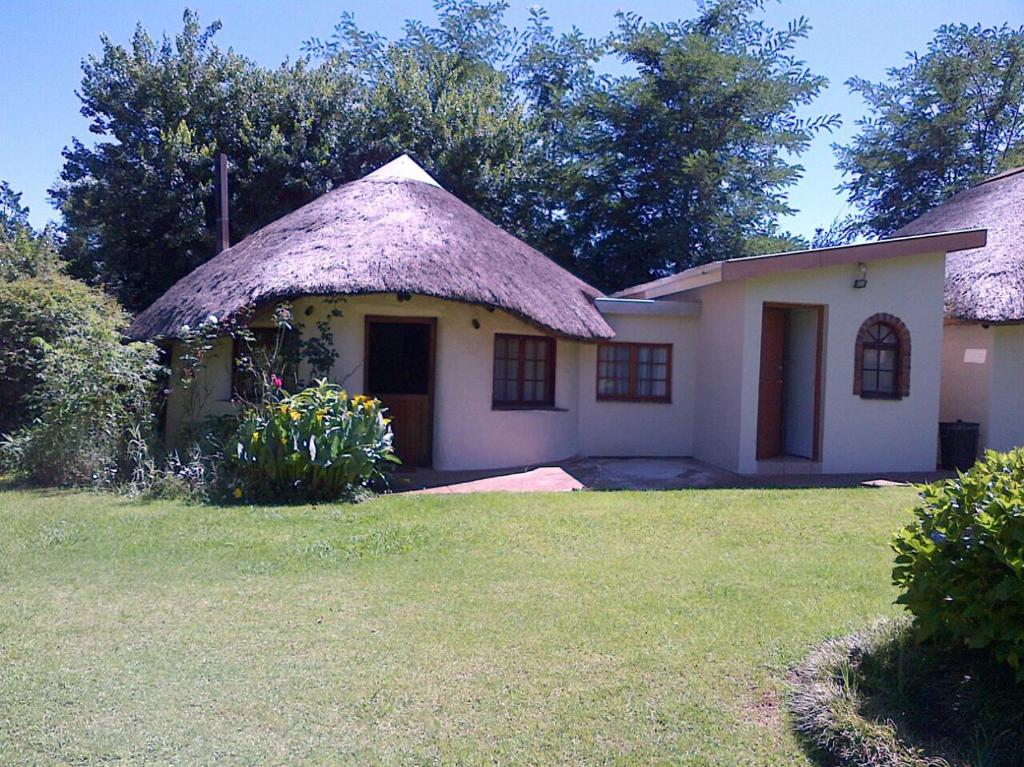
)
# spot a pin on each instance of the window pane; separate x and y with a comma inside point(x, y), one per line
point(886, 359)
point(870, 359)
point(633, 370)
point(886, 382)
point(521, 370)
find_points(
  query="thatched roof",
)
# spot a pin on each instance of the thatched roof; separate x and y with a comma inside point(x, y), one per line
point(985, 284)
point(392, 231)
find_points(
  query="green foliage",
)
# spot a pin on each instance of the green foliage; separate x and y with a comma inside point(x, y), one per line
point(161, 111)
point(38, 315)
point(88, 391)
point(684, 160)
point(71, 394)
point(317, 444)
point(23, 251)
point(946, 120)
point(960, 564)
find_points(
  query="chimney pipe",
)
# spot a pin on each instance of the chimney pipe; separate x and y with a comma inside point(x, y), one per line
point(221, 184)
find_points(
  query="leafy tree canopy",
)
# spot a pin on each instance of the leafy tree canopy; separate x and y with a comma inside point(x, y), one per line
point(943, 122)
point(24, 252)
point(682, 159)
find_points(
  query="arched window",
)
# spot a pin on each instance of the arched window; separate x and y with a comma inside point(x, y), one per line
point(882, 365)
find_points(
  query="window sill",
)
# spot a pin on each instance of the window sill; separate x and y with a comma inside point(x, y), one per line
point(889, 397)
point(547, 408)
point(637, 400)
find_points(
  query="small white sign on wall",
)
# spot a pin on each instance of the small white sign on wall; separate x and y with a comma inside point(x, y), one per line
point(975, 356)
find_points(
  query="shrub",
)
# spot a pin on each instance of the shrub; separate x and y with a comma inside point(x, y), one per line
point(961, 562)
point(70, 390)
point(318, 444)
point(87, 399)
point(35, 313)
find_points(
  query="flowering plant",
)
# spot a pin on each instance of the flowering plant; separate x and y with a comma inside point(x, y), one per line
point(317, 444)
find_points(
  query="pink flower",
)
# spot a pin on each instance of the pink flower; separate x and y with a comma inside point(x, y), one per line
point(278, 383)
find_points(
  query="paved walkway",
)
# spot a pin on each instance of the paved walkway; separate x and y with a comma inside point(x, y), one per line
point(625, 474)
point(546, 479)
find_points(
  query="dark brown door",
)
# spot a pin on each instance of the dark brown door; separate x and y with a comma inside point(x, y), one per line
point(769, 399)
point(400, 372)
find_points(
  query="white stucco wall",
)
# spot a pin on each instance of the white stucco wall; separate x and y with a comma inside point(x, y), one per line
point(468, 433)
point(966, 372)
point(209, 394)
point(859, 435)
point(1006, 388)
point(719, 380)
point(608, 428)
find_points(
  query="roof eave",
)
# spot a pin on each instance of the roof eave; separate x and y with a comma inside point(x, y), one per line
point(759, 266)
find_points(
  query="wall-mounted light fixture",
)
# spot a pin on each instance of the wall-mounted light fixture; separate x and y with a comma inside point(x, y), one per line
point(862, 281)
point(476, 323)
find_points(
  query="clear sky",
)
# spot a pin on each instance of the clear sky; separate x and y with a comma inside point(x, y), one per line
point(43, 42)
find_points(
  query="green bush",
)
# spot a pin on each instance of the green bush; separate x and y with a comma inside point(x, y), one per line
point(36, 312)
point(70, 390)
point(960, 564)
point(318, 444)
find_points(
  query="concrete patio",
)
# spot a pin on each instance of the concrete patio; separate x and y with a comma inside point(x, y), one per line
point(627, 474)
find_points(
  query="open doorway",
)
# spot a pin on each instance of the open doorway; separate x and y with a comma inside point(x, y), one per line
point(789, 387)
point(400, 372)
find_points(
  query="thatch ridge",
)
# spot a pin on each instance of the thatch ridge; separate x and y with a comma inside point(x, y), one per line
point(985, 284)
point(381, 235)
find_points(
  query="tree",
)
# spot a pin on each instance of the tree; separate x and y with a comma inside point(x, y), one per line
point(139, 208)
point(687, 160)
point(938, 125)
point(24, 252)
point(683, 160)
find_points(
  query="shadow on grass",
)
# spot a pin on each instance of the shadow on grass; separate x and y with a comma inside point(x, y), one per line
point(877, 698)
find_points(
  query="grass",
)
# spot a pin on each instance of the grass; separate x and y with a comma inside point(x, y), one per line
point(877, 698)
point(591, 628)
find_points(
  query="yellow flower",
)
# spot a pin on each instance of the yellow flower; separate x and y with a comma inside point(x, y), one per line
point(238, 492)
point(255, 436)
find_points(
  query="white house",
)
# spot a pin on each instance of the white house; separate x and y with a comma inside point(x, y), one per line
point(489, 355)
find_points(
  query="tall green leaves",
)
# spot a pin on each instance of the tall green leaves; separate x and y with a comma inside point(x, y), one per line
point(938, 125)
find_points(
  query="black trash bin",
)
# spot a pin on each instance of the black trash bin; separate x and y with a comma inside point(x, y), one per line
point(958, 443)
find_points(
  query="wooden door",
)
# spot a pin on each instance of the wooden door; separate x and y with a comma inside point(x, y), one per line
point(771, 380)
point(400, 372)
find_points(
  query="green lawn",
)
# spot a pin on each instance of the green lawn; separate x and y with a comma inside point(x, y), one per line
point(591, 628)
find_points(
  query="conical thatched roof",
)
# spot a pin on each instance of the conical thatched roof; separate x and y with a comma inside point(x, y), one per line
point(394, 230)
point(985, 284)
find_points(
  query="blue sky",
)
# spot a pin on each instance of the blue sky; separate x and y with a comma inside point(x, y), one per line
point(44, 42)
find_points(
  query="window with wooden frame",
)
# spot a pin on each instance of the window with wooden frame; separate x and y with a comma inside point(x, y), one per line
point(262, 352)
point(524, 371)
point(634, 372)
point(883, 359)
point(879, 361)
